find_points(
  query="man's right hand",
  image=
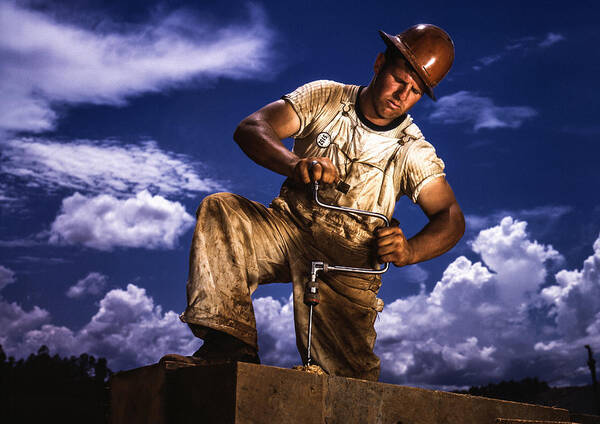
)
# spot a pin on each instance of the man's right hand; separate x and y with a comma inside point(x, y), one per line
point(260, 134)
point(321, 169)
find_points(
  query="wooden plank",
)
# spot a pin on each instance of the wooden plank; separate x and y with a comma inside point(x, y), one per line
point(248, 393)
point(138, 396)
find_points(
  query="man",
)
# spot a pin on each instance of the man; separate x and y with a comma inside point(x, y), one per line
point(363, 137)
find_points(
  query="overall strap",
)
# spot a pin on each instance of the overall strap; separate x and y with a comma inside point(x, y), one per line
point(345, 105)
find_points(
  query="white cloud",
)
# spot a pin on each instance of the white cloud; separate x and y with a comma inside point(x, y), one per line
point(128, 329)
point(46, 260)
point(488, 60)
point(416, 274)
point(519, 264)
point(5, 197)
point(478, 111)
point(101, 167)
point(7, 277)
point(485, 321)
point(104, 222)
point(60, 340)
point(575, 299)
point(548, 215)
point(551, 38)
point(522, 44)
point(44, 61)
point(276, 336)
point(15, 322)
point(24, 242)
point(92, 284)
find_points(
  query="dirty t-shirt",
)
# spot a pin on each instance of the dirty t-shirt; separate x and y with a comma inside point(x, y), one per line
point(380, 164)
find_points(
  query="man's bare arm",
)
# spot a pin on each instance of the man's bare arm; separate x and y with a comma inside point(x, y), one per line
point(260, 134)
point(445, 228)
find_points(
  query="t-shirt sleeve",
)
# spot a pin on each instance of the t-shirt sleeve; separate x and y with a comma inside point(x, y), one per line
point(309, 100)
point(422, 165)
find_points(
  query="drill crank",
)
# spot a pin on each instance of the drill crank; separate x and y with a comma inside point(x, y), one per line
point(311, 292)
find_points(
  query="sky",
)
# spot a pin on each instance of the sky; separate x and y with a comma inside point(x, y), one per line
point(116, 120)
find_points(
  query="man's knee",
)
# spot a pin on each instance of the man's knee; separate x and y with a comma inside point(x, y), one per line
point(215, 202)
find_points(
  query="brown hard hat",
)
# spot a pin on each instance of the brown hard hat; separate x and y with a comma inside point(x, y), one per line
point(428, 49)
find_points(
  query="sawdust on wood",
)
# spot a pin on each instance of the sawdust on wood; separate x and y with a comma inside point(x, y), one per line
point(311, 369)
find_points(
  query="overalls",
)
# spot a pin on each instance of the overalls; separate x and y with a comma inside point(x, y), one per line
point(239, 244)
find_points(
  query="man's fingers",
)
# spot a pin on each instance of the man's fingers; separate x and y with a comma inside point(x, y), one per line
point(316, 171)
point(386, 241)
point(384, 232)
point(390, 244)
point(329, 174)
point(304, 175)
point(385, 259)
point(321, 170)
point(385, 250)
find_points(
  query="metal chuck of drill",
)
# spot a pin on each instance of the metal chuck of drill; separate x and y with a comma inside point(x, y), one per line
point(311, 292)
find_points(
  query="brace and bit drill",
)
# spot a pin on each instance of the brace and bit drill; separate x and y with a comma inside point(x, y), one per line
point(311, 293)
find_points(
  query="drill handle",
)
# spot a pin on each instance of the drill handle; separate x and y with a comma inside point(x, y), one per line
point(311, 293)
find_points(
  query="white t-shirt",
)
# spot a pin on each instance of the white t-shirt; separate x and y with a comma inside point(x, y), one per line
point(380, 164)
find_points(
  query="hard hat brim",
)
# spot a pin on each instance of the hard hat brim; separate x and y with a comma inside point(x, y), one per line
point(397, 44)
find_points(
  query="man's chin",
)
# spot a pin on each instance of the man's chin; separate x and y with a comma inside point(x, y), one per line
point(391, 114)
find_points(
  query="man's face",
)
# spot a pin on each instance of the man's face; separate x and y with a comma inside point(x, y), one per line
point(395, 89)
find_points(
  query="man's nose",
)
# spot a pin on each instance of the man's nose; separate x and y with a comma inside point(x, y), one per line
point(403, 92)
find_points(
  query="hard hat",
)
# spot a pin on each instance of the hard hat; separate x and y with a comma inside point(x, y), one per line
point(428, 49)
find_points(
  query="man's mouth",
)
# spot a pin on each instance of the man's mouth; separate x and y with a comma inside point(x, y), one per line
point(394, 105)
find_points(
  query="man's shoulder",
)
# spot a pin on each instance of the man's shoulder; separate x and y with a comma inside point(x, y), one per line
point(325, 83)
point(411, 129)
point(409, 133)
point(414, 146)
point(322, 88)
point(414, 143)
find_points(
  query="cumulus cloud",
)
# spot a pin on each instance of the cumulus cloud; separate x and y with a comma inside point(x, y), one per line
point(416, 274)
point(128, 329)
point(45, 61)
point(92, 284)
point(7, 277)
point(104, 222)
point(131, 330)
point(276, 336)
point(491, 320)
point(498, 318)
point(575, 299)
point(15, 322)
point(508, 252)
point(551, 38)
point(480, 112)
point(104, 166)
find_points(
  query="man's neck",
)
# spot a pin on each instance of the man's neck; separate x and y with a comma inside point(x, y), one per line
point(367, 109)
point(372, 119)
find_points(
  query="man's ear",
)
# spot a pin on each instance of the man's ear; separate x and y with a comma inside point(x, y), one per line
point(379, 63)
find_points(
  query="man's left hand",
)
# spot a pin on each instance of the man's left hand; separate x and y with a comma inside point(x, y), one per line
point(392, 246)
point(445, 227)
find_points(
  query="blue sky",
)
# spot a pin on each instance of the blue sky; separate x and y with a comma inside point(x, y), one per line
point(116, 119)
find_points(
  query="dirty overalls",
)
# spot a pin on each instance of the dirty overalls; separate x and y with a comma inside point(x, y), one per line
point(239, 244)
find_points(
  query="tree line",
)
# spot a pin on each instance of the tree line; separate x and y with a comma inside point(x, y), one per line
point(45, 388)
